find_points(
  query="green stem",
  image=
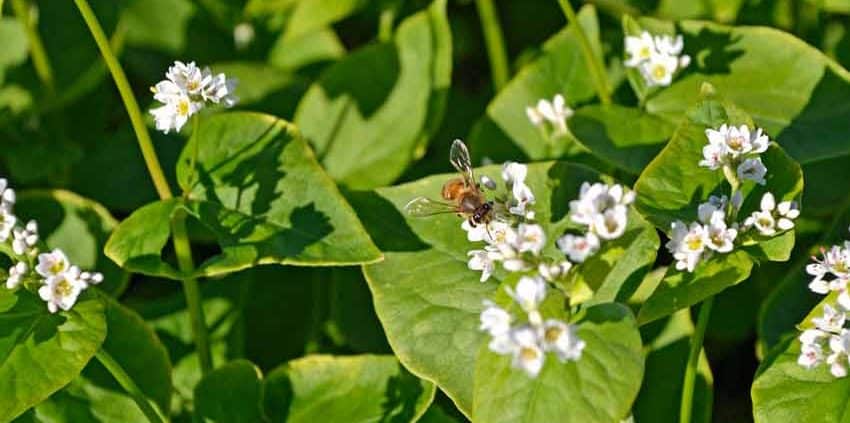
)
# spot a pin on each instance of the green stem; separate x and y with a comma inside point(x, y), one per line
point(181, 239)
point(145, 143)
point(37, 51)
point(129, 385)
point(594, 65)
point(693, 360)
point(385, 24)
point(183, 250)
point(495, 42)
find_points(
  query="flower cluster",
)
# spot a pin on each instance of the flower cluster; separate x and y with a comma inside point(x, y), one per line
point(657, 58)
point(528, 342)
point(185, 91)
point(550, 116)
point(57, 281)
point(735, 151)
point(517, 243)
point(829, 340)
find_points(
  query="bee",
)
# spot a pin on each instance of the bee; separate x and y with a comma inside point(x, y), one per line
point(462, 195)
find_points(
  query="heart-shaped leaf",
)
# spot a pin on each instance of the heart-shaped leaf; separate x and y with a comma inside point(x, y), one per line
point(41, 352)
point(386, 122)
point(599, 387)
point(427, 299)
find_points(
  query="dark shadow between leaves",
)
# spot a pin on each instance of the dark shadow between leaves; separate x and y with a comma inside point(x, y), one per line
point(566, 181)
point(384, 223)
point(367, 77)
point(400, 396)
point(716, 51)
point(278, 395)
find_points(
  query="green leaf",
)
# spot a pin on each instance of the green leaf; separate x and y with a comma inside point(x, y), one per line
point(427, 299)
point(681, 289)
point(41, 352)
point(626, 137)
point(790, 89)
point(95, 396)
point(355, 389)
point(674, 184)
point(660, 395)
point(79, 227)
point(232, 393)
point(315, 46)
point(785, 391)
point(600, 387)
point(15, 46)
point(259, 191)
point(309, 15)
point(560, 69)
point(159, 24)
point(383, 124)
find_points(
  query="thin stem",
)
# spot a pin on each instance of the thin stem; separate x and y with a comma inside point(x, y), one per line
point(183, 250)
point(693, 359)
point(145, 143)
point(594, 65)
point(385, 24)
point(495, 42)
point(37, 51)
point(182, 246)
point(129, 385)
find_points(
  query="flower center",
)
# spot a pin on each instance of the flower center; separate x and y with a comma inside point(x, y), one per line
point(183, 108)
point(57, 267)
point(765, 222)
point(736, 143)
point(192, 85)
point(717, 238)
point(693, 242)
point(644, 52)
point(63, 288)
point(528, 353)
point(659, 72)
point(552, 334)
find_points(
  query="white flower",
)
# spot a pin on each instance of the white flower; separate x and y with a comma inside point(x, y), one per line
point(187, 77)
point(495, 320)
point(554, 271)
point(752, 169)
point(7, 195)
point(52, 263)
point(810, 355)
point(175, 113)
point(718, 236)
point(555, 113)
point(729, 144)
point(639, 49)
point(832, 320)
point(514, 175)
point(243, 35)
point(562, 339)
point(488, 182)
point(7, 223)
point(530, 238)
point(788, 211)
point(220, 90)
point(835, 264)
point(25, 238)
point(483, 261)
point(706, 211)
point(16, 274)
point(528, 355)
point(529, 292)
point(687, 244)
point(665, 44)
point(840, 346)
point(61, 291)
point(90, 278)
point(611, 224)
point(493, 232)
point(659, 70)
point(578, 248)
point(596, 199)
point(764, 220)
point(714, 153)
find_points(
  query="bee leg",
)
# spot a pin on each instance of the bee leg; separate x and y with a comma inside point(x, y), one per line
point(471, 222)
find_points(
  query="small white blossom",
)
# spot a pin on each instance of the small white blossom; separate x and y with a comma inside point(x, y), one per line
point(718, 236)
point(555, 113)
point(243, 35)
point(24, 239)
point(493, 232)
point(831, 273)
point(578, 248)
point(687, 244)
point(529, 293)
point(611, 224)
point(753, 170)
point(659, 70)
point(175, 113)
point(840, 346)
point(495, 320)
point(551, 272)
point(483, 261)
point(185, 91)
point(639, 49)
point(530, 238)
point(61, 291)
point(16, 275)
point(832, 320)
point(514, 175)
point(562, 339)
point(810, 355)
point(728, 145)
point(527, 352)
point(595, 199)
point(7, 195)
point(788, 211)
point(52, 263)
point(7, 223)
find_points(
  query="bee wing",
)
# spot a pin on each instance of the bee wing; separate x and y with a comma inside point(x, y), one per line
point(422, 207)
point(459, 156)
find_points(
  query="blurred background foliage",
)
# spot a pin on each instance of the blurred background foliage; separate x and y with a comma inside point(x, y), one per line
point(63, 126)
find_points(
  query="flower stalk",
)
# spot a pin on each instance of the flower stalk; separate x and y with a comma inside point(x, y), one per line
point(686, 409)
point(126, 382)
point(495, 43)
point(181, 240)
point(594, 65)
